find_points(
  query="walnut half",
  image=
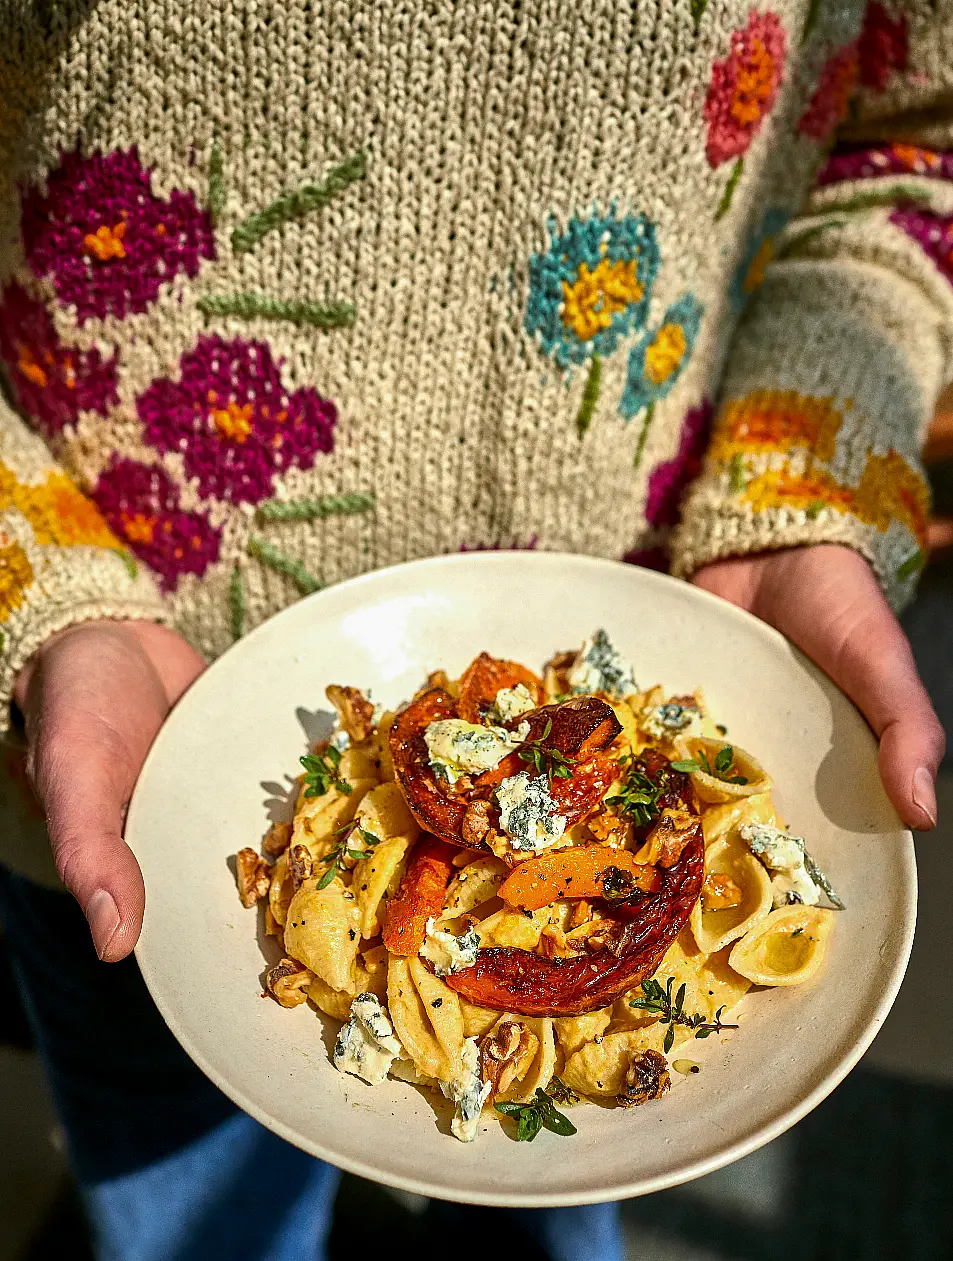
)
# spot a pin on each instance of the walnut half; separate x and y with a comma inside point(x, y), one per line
point(355, 711)
point(476, 822)
point(288, 981)
point(647, 1078)
point(253, 876)
point(301, 865)
point(504, 1054)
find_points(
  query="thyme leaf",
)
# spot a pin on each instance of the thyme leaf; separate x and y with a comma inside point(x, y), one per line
point(540, 1113)
point(323, 771)
point(660, 1002)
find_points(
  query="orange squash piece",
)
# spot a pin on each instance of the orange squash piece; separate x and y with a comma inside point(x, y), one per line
point(588, 871)
point(485, 676)
point(420, 896)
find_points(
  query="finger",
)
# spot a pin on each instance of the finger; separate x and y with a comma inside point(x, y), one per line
point(84, 779)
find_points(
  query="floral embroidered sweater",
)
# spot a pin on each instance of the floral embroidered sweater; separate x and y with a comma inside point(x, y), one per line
point(290, 290)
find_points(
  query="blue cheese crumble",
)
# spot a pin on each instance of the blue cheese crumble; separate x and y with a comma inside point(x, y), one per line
point(528, 814)
point(468, 1092)
point(511, 702)
point(665, 722)
point(448, 953)
point(598, 667)
point(367, 1045)
point(784, 855)
point(466, 748)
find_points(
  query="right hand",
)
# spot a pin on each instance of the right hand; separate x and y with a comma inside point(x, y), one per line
point(93, 699)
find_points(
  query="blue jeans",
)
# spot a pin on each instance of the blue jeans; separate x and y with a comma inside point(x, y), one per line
point(169, 1169)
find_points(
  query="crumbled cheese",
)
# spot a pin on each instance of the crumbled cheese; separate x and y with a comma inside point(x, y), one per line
point(598, 667)
point(460, 748)
point(528, 813)
point(448, 953)
point(783, 854)
point(340, 740)
point(511, 702)
point(665, 721)
point(468, 1092)
point(367, 1045)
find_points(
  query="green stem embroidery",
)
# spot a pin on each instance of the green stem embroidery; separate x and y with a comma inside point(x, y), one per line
point(216, 182)
point(236, 602)
point(590, 396)
point(796, 242)
point(249, 305)
point(132, 569)
point(892, 194)
point(813, 12)
point(912, 565)
point(295, 205)
point(730, 187)
point(314, 509)
point(262, 550)
point(737, 474)
point(698, 8)
point(646, 425)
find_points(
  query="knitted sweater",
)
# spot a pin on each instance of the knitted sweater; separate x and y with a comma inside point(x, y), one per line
point(290, 290)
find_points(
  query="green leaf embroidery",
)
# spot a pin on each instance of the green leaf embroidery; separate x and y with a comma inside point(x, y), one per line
point(590, 396)
point(316, 509)
point(643, 436)
point(216, 182)
point(725, 204)
point(912, 565)
point(269, 555)
point(250, 305)
point(298, 203)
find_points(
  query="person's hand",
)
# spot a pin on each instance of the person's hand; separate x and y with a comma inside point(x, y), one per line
point(826, 600)
point(93, 699)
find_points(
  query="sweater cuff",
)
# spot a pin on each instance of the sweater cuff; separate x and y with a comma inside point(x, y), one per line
point(816, 438)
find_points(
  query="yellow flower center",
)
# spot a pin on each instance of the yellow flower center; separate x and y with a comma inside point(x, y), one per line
point(16, 574)
point(137, 527)
point(755, 275)
point(233, 421)
point(106, 242)
point(590, 302)
point(665, 354)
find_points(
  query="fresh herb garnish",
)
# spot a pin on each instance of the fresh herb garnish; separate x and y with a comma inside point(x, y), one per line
point(341, 849)
point(660, 1001)
point(562, 1093)
point(548, 762)
point(639, 798)
point(534, 1116)
point(724, 759)
point(323, 772)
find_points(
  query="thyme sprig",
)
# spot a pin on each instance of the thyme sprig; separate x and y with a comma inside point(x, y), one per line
point(341, 849)
point(548, 762)
point(639, 798)
point(672, 1012)
point(719, 769)
point(536, 1115)
point(324, 772)
point(562, 1093)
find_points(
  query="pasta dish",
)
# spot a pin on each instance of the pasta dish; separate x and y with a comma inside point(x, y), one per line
point(527, 891)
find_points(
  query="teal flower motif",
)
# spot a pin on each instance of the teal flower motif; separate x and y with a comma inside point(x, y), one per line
point(657, 361)
point(749, 274)
point(590, 289)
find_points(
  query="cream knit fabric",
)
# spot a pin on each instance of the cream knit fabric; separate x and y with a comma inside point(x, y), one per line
point(292, 290)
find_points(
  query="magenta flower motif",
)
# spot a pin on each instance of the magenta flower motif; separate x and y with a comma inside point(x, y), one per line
point(106, 240)
point(233, 421)
point(867, 162)
point(141, 503)
point(667, 482)
point(52, 383)
point(933, 233)
point(648, 558)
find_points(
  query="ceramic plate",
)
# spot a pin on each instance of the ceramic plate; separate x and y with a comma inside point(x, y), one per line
point(224, 760)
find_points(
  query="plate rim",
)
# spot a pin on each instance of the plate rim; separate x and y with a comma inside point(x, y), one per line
point(762, 1135)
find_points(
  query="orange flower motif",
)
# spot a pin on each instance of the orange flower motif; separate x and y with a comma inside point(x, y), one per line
point(233, 421)
point(777, 420)
point(16, 574)
point(786, 490)
point(106, 242)
point(58, 512)
point(137, 527)
point(890, 489)
point(744, 86)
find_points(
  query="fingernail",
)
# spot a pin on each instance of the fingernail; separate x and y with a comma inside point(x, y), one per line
point(103, 916)
point(924, 794)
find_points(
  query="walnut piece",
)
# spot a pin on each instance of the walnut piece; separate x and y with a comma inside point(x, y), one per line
point(301, 865)
point(647, 1078)
point(288, 981)
point(277, 839)
point(476, 822)
point(720, 892)
point(503, 1053)
point(253, 876)
point(355, 711)
point(669, 837)
point(556, 674)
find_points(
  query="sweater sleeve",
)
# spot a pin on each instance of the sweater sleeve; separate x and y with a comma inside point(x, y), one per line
point(847, 341)
point(60, 564)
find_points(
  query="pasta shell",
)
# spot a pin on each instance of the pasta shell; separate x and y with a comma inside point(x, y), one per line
point(723, 986)
point(381, 738)
point(723, 818)
point(475, 884)
point(513, 928)
point(477, 1021)
point(598, 1069)
point(574, 1032)
point(731, 857)
point(376, 876)
point(337, 1003)
point(713, 790)
point(785, 948)
point(281, 890)
point(431, 1035)
point(322, 932)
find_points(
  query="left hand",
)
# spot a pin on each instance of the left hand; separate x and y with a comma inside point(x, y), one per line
point(827, 601)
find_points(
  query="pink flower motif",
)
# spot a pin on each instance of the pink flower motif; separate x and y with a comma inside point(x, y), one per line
point(106, 240)
point(233, 421)
point(831, 99)
point(933, 233)
point(882, 48)
point(52, 383)
point(667, 481)
point(744, 86)
point(649, 558)
point(141, 503)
